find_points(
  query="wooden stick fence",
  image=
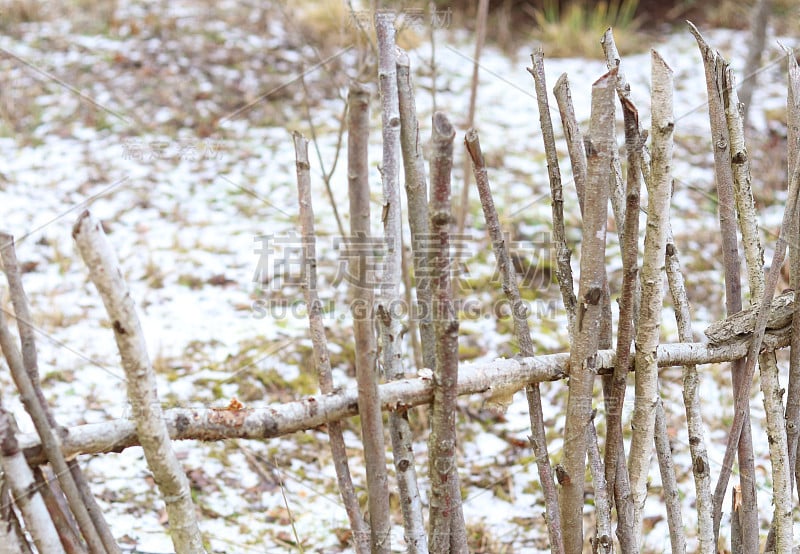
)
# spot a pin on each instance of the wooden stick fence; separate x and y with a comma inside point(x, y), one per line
point(745, 337)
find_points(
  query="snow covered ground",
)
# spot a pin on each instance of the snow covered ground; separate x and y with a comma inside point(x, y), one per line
point(144, 125)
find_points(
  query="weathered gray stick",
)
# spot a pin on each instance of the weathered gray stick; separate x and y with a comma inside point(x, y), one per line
point(25, 373)
point(320, 344)
point(563, 253)
point(602, 543)
point(168, 474)
point(366, 369)
point(389, 323)
point(265, 422)
point(583, 353)
point(733, 290)
point(573, 135)
point(522, 332)
point(691, 400)
point(793, 393)
point(672, 498)
point(649, 324)
point(417, 197)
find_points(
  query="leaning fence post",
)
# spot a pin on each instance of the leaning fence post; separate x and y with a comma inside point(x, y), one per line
point(151, 428)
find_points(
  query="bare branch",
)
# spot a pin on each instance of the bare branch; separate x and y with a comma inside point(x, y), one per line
point(448, 532)
point(320, 344)
point(366, 370)
point(168, 474)
point(652, 279)
point(583, 353)
point(523, 335)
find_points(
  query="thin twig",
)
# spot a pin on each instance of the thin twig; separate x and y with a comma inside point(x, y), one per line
point(522, 333)
point(563, 253)
point(480, 36)
point(320, 344)
point(672, 497)
point(602, 543)
point(417, 197)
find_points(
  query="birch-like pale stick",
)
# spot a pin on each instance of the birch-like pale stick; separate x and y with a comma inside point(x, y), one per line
point(602, 542)
point(743, 193)
point(563, 253)
point(388, 323)
point(652, 279)
point(363, 331)
point(480, 36)
point(211, 424)
point(733, 291)
point(20, 478)
point(417, 197)
point(583, 352)
point(672, 495)
point(391, 328)
point(792, 413)
point(448, 532)
point(691, 400)
point(780, 534)
point(573, 136)
point(167, 472)
point(12, 538)
point(25, 373)
point(523, 335)
point(793, 393)
point(755, 50)
point(319, 342)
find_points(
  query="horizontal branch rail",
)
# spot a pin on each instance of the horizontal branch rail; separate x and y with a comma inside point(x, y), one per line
point(211, 424)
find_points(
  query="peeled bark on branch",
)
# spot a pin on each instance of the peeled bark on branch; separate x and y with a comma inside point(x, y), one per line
point(266, 422)
point(583, 354)
point(151, 429)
